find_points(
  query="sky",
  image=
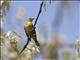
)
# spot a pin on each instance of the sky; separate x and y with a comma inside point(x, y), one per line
point(70, 24)
point(69, 27)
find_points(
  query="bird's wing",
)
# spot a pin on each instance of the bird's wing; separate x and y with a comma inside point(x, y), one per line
point(33, 33)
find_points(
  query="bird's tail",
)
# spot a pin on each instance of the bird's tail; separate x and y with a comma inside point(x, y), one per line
point(35, 39)
point(37, 43)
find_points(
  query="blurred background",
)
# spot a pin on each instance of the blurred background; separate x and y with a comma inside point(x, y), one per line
point(57, 30)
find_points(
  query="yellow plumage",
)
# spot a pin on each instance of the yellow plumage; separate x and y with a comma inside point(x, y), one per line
point(29, 29)
point(30, 33)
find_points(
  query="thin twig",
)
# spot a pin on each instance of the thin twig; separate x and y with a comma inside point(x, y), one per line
point(40, 10)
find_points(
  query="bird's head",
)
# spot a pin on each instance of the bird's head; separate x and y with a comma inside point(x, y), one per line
point(29, 21)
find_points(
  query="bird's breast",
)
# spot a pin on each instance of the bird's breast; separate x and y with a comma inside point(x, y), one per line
point(28, 28)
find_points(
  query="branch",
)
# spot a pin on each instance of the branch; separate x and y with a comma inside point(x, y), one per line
point(40, 10)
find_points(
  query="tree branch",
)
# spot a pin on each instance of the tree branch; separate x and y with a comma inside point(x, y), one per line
point(40, 10)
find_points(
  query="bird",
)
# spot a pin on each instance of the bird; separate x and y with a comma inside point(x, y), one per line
point(30, 33)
